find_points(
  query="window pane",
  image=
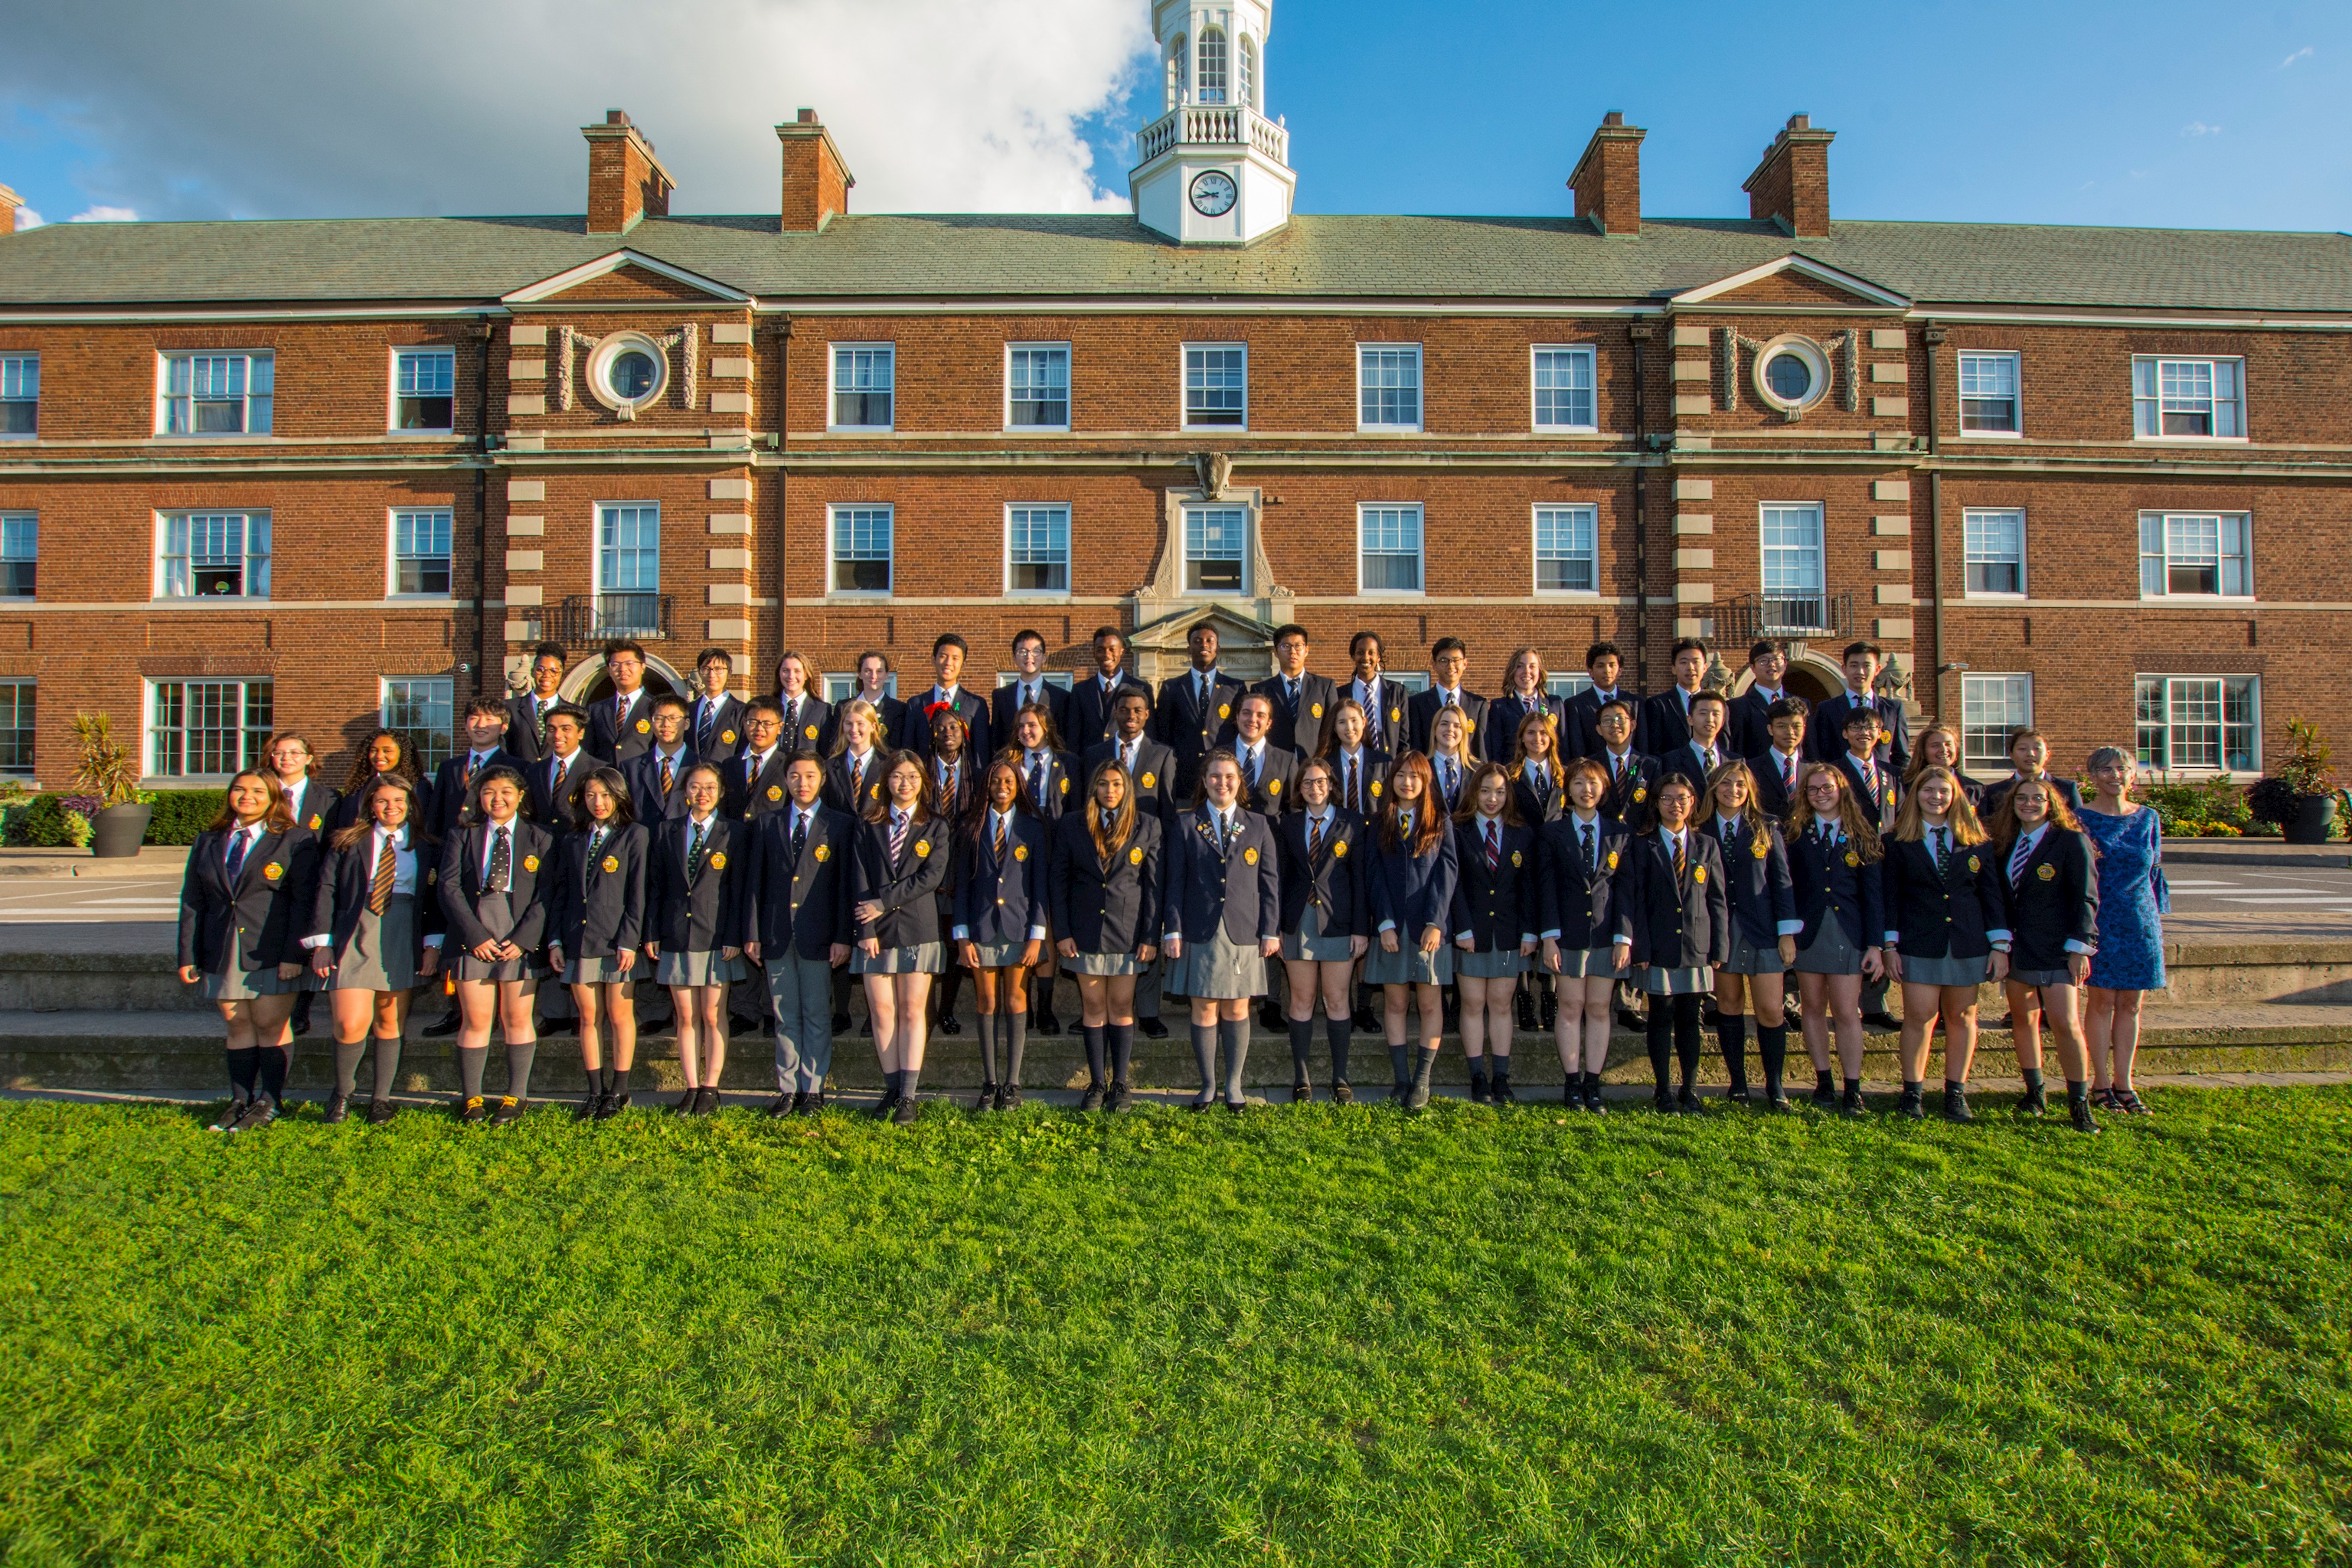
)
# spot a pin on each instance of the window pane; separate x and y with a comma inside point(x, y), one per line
point(1213, 538)
point(1215, 387)
point(420, 548)
point(16, 726)
point(1564, 389)
point(861, 549)
point(1038, 542)
point(1040, 387)
point(1990, 707)
point(1391, 548)
point(1996, 551)
point(1390, 386)
point(628, 549)
point(1564, 549)
point(2239, 729)
point(2147, 702)
point(208, 726)
point(1989, 393)
point(863, 381)
point(419, 709)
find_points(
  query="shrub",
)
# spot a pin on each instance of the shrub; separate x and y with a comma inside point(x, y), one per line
point(41, 824)
point(2275, 800)
point(2193, 809)
point(181, 814)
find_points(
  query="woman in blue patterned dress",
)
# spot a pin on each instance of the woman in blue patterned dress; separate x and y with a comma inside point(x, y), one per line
point(2132, 900)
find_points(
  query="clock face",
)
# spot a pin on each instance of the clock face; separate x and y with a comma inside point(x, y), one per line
point(1213, 193)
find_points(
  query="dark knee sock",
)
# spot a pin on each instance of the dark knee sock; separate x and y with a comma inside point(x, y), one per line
point(1772, 1045)
point(1122, 1049)
point(1689, 1040)
point(471, 1059)
point(986, 1024)
point(1233, 1034)
point(347, 1065)
point(1335, 1032)
point(243, 1070)
point(519, 1060)
point(1204, 1056)
point(1731, 1036)
point(1093, 1035)
point(1016, 1040)
point(1659, 1031)
point(1477, 1071)
point(274, 1064)
point(1302, 1040)
point(387, 1064)
point(1397, 1067)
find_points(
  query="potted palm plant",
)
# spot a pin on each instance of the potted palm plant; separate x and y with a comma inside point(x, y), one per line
point(2300, 797)
point(109, 775)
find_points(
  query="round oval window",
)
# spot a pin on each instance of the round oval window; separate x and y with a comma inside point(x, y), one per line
point(1789, 377)
point(631, 374)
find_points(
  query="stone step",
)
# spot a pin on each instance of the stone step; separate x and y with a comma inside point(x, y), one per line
point(153, 1051)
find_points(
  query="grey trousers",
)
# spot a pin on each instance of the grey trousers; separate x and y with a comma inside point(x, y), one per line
point(1146, 989)
point(801, 991)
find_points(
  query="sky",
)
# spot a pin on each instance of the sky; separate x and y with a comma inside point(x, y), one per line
point(2162, 113)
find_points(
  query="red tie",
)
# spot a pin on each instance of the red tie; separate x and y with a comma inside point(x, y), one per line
point(1493, 847)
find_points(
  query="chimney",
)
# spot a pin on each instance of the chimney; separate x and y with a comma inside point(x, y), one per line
point(625, 181)
point(1792, 185)
point(9, 202)
point(1608, 178)
point(816, 182)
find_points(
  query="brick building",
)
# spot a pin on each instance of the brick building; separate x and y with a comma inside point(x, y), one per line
point(318, 475)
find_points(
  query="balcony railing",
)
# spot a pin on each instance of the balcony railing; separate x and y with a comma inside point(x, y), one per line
point(592, 617)
point(1753, 615)
point(1213, 125)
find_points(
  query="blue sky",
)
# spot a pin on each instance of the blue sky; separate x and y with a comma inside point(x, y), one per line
point(2159, 113)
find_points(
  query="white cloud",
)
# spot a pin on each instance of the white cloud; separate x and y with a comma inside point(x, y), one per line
point(27, 218)
point(2199, 128)
point(105, 215)
point(951, 105)
point(2302, 54)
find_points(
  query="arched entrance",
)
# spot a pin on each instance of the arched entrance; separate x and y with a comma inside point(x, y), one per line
point(1811, 675)
point(586, 681)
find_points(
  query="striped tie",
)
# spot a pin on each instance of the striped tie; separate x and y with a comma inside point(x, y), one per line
point(997, 845)
point(1680, 863)
point(897, 835)
point(379, 888)
point(595, 848)
point(1493, 847)
point(665, 777)
point(1314, 836)
point(694, 849)
point(501, 862)
point(2016, 862)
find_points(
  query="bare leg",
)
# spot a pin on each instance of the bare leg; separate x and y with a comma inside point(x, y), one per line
point(689, 1053)
point(882, 1008)
point(914, 989)
point(1958, 1006)
point(1598, 1022)
point(584, 1001)
point(621, 1007)
point(1845, 1005)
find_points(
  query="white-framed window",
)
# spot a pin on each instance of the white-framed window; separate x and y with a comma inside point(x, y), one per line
point(628, 547)
point(20, 394)
point(1567, 550)
point(217, 394)
point(205, 728)
point(1564, 389)
point(1995, 541)
point(1990, 707)
point(17, 727)
point(861, 549)
point(1411, 681)
point(840, 688)
point(1566, 686)
point(1388, 386)
point(423, 389)
point(20, 555)
point(1210, 81)
point(1216, 541)
point(420, 708)
point(1989, 403)
point(420, 552)
point(1245, 72)
point(1216, 385)
point(212, 554)
point(1795, 591)
point(2200, 723)
point(1388, 548)
point(2188, 398)
point(2196, 555)
point(1037, 387)
point(1036, 548)
point(1061, 678)
point(864, 386)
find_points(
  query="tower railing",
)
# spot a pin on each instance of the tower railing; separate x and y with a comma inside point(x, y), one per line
point(1213, 125)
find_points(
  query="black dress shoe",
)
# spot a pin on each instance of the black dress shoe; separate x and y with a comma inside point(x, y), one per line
point(686, 1102)
point(1364, 1023)
point(227, 1122)
point(1956, 1106)
point(548, 1026)
point(1630, 1020)
point(1153, 1029)
point(740, 1024)
point(2079, 1112)
point(1207, 1104)
point(1093, 1097)
point(1008, 1098)
point(338, 1108)
point(903, 1114)
point(1688, 1102)
point(1912, 1107)
point(810, 1104)
point(1269, 1017)
point(1342, 1095)
point(587, 1111)
point(1780, 1106)
point(509, 1111)
point(1501, 1092)
point(1479, 1093)
point(1119, 1098)
point(611, 1105)
point(1824, 1099)
point(381, 1110)
point(706, 1102)
point(1044, 1023)
point(1236, 1106)
point(448, 1026)
point(1851, 1104)
point(885, 1106)
point(948, 1025)
point(1662, 1103)
point(1593, 1104)
point(783, 1105)
point(300, 1021)
point(986, 1103)
point(473, 1108)
point(1302, 1093)
point(2034, 1102)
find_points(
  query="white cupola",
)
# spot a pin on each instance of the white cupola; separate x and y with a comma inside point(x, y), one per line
point(1213, 168)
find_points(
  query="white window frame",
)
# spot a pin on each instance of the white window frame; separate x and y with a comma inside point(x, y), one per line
point(1241, 557)
point(2170, 686)
point(833, 392)
point(1037, 507)
point(600, 577)
point(1219, 71)
point(23, 691)
point(1819, 589)
point(1420, 390)
point(2166, 530)
point(1010, 351)
point(250, 734)
point(835, 515)
point(1565, 686)
point(1184, 386)
point(1971, 556)
point(839, 687)
point(1403, 512)
point(20, 383)
point(448, 523)
point(248, 401)
point(1976, 686)
point(1589, 355)
point(446, 700)
point(392, 403)
point(20, 543)
point(2016, 394)
point(2150, 396)
point(253, 562)
point(1588, 516)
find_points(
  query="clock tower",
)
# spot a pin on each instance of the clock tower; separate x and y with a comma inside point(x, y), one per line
point(1213, 168)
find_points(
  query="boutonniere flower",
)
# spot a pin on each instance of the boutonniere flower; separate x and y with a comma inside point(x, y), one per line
point(1274, 786)
point(1612, 859)
point(1699, 873)
point(1974, 865)
point(1224, 709)
point(314, 822)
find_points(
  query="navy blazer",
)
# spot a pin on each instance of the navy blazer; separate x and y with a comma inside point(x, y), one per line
point(1276, 789)
point(1413, 892)
point(1665, 723)
point(1583, 721)
point(597, 907)
point(1003, 710)
point(727, 726)
point(1458, 797)
point(642, 774)
point(319, 804)
point(1335, 880)
point(1106, 906)
point(1686, 762)
point(1154, 775)
point(701, 912)
point(1880, 805)
point(1676, 923)
point(915, 723)
point(522, 737)
point(1773, 797)
point(1628, 800)
point(747, 796)
point(1065, 788)
point(1825, 730)
point(256, 922)
point(1190, 728)
point(804, 729)
point(1498, 908)
point(908, 888)
point(2055, 902)
point(1749, 729)
point(1957, 915)
point(616, 739)
point(1833, 879)
point(1300, 729)
point(800, 903)
point(1505, 713)
point(1094, 718)
point(1575, 898)
point(1421, 711)
point(527, 880)
point(1538, 807)
point(1240, 886)
point(1755, 879)
point(1387, 727)
point(453, 780)
point(1371, 781)
point(837, 791)
point(1998, 791)
point(345, 876)
point(1001, 901)
point(549, 806)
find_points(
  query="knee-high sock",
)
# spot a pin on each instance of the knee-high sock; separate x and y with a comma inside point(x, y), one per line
point(1204, 1058)
point(1016, 1039)
point(274, 1064)
point(347, 1065)
point(1093, 1035)
point(387, 1064)
point(1233, 1035)
point(519, 1056)
point(1660, 1030)
point(986, 1024)
point(1335, 1031)
point(1772, 1045)
point(471, 1059)
point(1397, 1068)
point(1731, 1036)
point(1122, 1049)
point(243, 1070)
point(1688, 1040)
point(1302, 1040)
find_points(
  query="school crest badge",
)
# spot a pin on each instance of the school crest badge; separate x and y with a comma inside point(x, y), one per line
point(1761, 849)
point(1698, 874)
point(1065, 786)
point(1852, 858)
point(1612, 859)
point(1224, 709)
point(611, 863)
point(1975, 865)
point(1396, 715)
point(775, 792)
point(1515, 858)
point(922, 848)
point(1641, 793)
point(1135, 855)
point(727, 737)
point(1147, 781)
point(645, 726)
point(530, 862)
point(1021, 851)
point(1340, 848)
point(1376, 789)
point(823, 853)
point(1274, 786)
point(810, 731)
point(2047, 873)
point(1315, 710)
point(272, 871)
point(1249, 857)
point(315, 820)
point(718, 860)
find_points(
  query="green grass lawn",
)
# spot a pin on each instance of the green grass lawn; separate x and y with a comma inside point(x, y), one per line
point(1330, 1336)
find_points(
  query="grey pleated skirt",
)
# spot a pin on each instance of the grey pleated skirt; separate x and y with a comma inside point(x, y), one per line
point(498, 919)
point(1408, 965)
point(1746, 958)
point(1103, 963)
point(1658, 981)
point(923, 958)
point(245, 984)
point(707, 967)
point(1503, 964)
point(1589, 964)
point(1945, 970)
point(603, 971)
point(2040, 977)
point(1830, 953)
point(1308, 944)
point(1218, 970)
point(382, 953)
point(1001, 954)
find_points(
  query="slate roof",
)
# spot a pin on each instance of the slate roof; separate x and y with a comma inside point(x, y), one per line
point(1317, 257)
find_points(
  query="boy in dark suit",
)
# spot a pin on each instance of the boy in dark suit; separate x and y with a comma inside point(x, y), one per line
point(1151, 765)
point(486, 720)
point(1778, 767)
point(948, 654)
point(1028, 685)
point(1196, 709)
point(796, 905)
point(557, 778)
point(1827, 735)
point(1269, 773)
point(1382, 699)
point(657, 776)
point(527, 726)
point(1094, 697)
point(1878, 787)
point(755, 781)
point(1706, 751)
point(622, 725)
point(1665, 725)
point(1751, 729)
point(1632, 775)
point(716, 731)
point(1580, 737)
point(1302, 702)
point(1449, 658)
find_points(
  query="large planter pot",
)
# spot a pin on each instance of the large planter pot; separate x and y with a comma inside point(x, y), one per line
point(119, 829)
point(2314, 820)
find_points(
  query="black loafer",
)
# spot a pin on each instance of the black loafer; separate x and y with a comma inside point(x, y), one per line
point(338, 1108)
point(948, 1025)
point(810, 1104)
point(1342, 1095)
point(841, 1023)
point(885, 1106)
point(587, 1111)
point(1200, 1104)
point(740, 1025)
point(448, 1026)
point(1781, 1105)
point(1884, 1023)
point(1119, 1098)
point(1851, 1104)
point(1593, 1104)
point(986, 1103)
point(1048, 1023)
point(1478, 1091)
point(1008, 1098)
point(783, 1105)
point(611, 1105)
point(1824, 1100)
point(706, 1102)
point(1302, 1094)
point(1093, 1097)
point(1688, 1102)
point(381, 1110)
